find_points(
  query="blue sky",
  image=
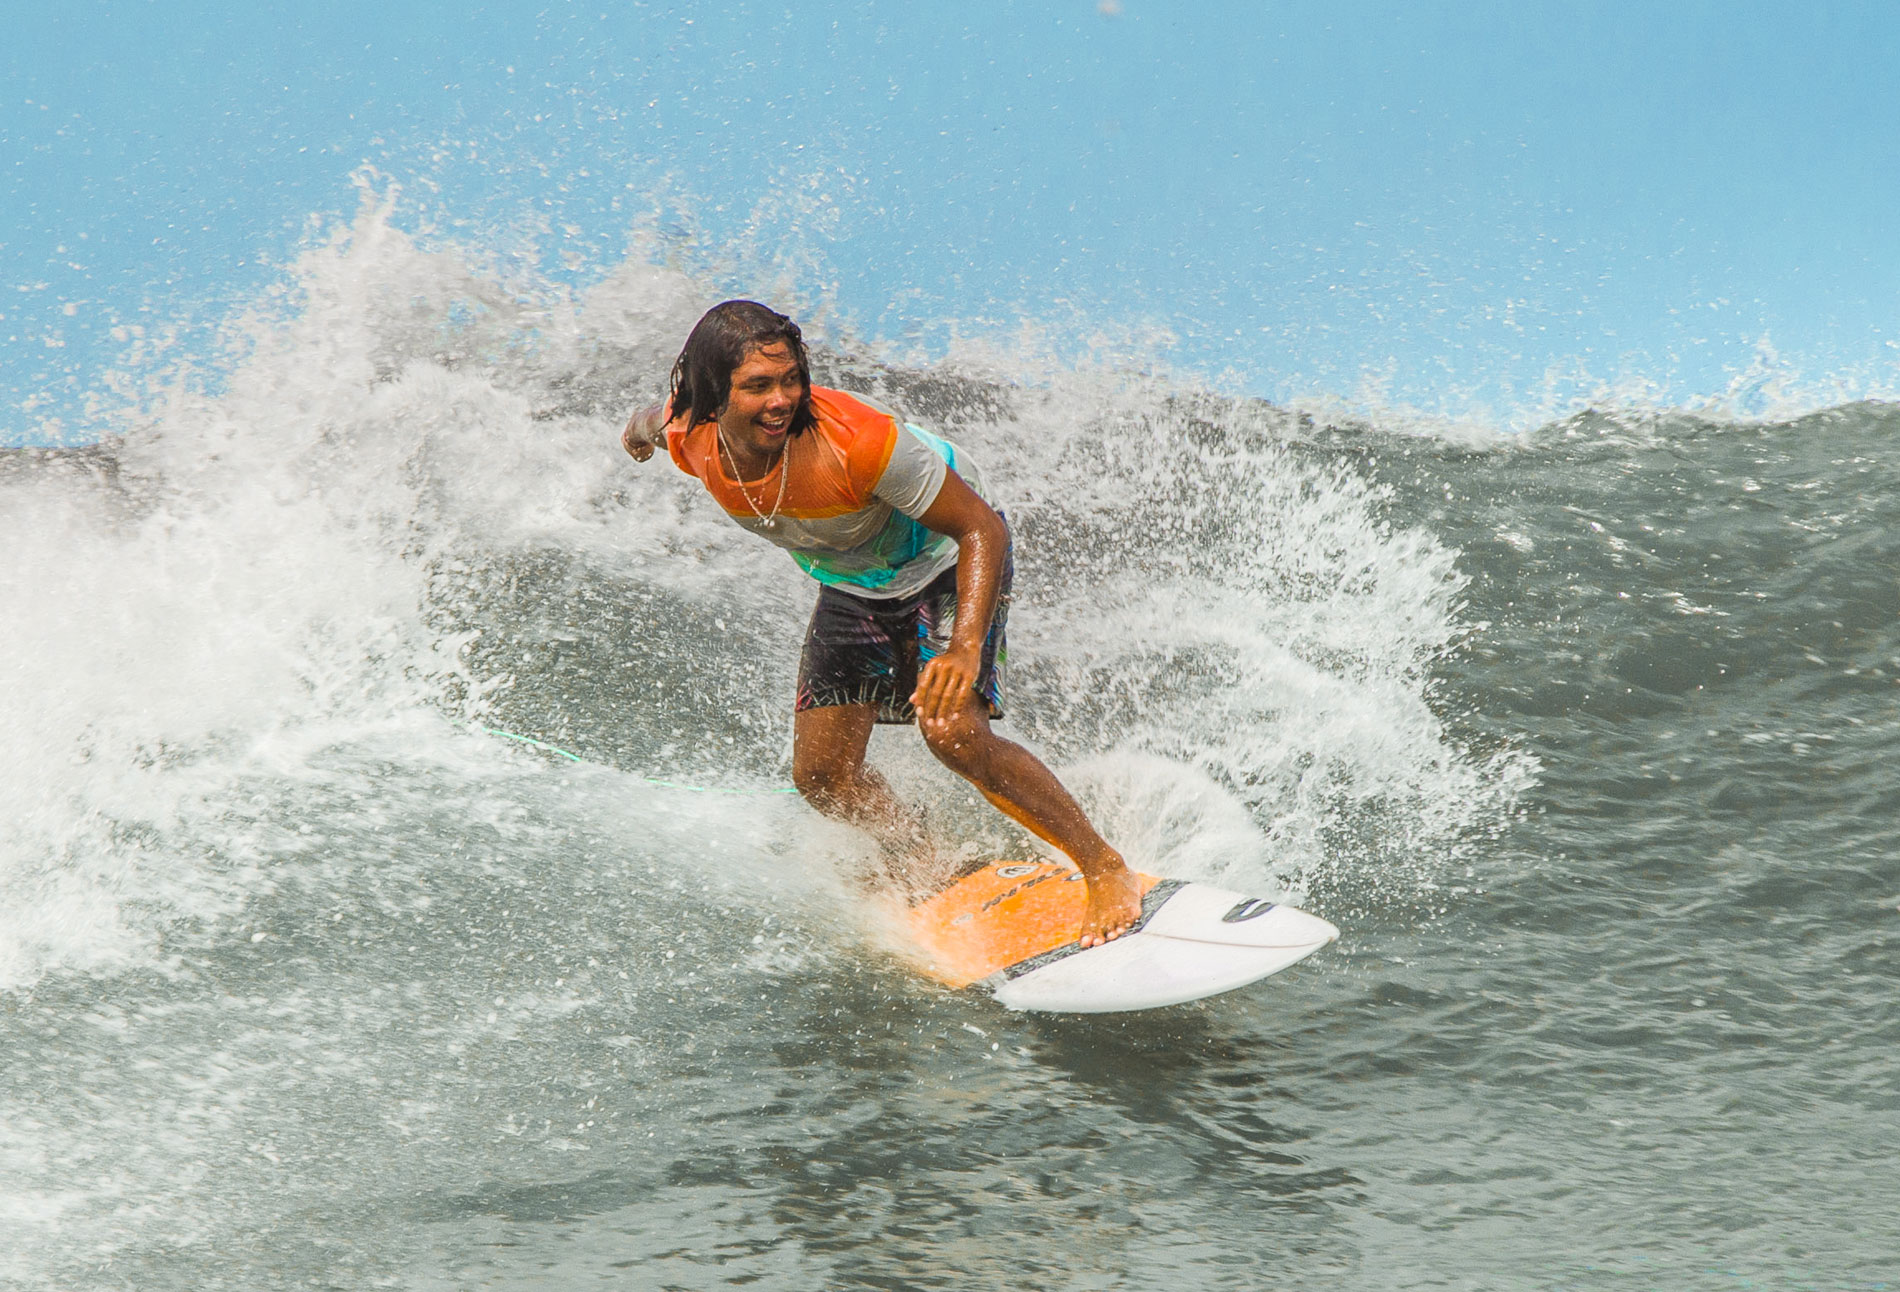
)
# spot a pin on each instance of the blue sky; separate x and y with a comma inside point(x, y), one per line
point(1443, 204)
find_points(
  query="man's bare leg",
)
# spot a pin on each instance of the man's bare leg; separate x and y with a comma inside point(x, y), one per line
point(1017, 783)
point(828, 768)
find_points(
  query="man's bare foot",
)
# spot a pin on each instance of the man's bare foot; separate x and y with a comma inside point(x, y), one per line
point(1114, 906)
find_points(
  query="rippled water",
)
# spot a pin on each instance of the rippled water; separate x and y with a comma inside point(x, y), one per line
point(1585, 739)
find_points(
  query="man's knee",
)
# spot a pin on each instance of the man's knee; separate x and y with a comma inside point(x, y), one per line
point(822, 782)
point(960, 740)
point(828, 754)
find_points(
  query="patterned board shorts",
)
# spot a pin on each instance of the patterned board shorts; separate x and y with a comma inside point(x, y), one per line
point(863, 651)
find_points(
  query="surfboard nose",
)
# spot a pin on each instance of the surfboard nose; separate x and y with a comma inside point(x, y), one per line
point(1200, 913)
point(1199, 942)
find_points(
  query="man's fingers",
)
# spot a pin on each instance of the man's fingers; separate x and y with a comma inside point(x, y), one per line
point(937, 690)
point(943, 688)
point(641, 432)
point(636, 444)
point(929, 696)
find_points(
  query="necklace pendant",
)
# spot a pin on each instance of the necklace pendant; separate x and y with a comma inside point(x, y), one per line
point(784, 473)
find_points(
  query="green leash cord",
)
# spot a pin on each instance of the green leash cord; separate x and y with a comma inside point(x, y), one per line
point(651, 780)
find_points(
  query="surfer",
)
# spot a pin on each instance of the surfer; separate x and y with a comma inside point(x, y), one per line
point(914, 567)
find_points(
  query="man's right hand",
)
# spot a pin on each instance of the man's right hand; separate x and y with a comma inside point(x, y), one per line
point(645, 429)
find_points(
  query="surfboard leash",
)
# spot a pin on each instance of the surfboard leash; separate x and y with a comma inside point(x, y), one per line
point(651, 780)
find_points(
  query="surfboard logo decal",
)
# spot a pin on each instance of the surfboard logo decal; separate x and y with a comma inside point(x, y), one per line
point(1027, 883)
point(1249, 908)
point(1017, 871)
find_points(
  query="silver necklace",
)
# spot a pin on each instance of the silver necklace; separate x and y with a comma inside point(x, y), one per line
point(769, 521)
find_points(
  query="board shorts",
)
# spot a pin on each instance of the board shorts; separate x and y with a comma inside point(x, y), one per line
point(861, 650)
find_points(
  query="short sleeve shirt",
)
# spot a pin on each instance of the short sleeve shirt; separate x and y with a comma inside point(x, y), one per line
point(858, 481)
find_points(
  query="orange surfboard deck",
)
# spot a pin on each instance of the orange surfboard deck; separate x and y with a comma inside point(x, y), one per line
point(1007, 912)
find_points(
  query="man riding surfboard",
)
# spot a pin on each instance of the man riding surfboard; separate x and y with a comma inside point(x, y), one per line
point(915, 572)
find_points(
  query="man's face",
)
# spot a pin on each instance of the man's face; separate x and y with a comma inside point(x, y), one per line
point(766, 390)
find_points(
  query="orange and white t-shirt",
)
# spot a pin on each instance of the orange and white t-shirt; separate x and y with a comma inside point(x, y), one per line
point(858, 481)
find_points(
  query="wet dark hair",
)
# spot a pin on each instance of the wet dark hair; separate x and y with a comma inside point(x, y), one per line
point(719, 343)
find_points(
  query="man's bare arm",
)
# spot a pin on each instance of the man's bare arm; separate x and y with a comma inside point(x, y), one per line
point(645, 431)
point(982, 539)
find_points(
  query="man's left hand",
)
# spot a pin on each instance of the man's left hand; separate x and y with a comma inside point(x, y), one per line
point(944, 681)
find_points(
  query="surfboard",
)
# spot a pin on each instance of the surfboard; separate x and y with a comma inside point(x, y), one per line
point(1010, 928)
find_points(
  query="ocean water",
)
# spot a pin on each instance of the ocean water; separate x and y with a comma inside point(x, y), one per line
point(1586, 739)
point(1451, 460)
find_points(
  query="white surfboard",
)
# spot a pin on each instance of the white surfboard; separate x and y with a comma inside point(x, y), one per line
point(1010, 927)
